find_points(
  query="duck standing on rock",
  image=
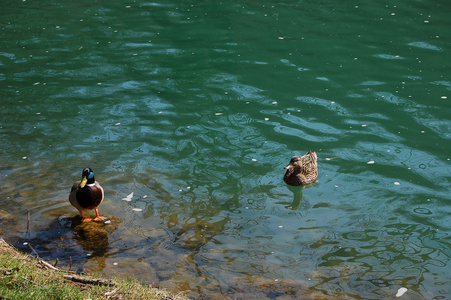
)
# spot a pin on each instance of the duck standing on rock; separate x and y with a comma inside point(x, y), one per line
point(302, 170)
point(87, 194)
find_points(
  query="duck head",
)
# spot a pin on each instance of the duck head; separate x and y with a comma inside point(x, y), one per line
point(87, 177)
point(295, 163)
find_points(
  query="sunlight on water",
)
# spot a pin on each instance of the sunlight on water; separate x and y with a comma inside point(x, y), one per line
point(188, 112)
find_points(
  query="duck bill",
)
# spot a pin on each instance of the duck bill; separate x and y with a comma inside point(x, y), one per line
point(288, 167)
point(83, 182)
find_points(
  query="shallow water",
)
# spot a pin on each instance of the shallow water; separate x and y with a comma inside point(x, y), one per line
point(196, 107)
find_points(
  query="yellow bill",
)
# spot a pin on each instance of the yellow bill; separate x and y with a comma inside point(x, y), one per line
point(83, 182)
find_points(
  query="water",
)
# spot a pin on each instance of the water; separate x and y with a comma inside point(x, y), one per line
point(196, 107)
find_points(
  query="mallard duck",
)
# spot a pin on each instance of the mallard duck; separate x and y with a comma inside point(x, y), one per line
point(302, 170)
point(87, 194)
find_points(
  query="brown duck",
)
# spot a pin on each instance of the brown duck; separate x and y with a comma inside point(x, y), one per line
point(302, 170)
point(87, 194)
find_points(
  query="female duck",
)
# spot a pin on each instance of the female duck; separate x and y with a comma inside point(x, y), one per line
point(87, 194)
point(302, 170)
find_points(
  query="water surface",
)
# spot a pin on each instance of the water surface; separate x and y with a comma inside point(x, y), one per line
point(196, 107)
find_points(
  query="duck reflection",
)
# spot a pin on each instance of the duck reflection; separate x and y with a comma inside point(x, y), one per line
point(297, 197)
point(57, 240)
point(93, 237)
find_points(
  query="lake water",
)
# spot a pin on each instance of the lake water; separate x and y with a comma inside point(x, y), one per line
point(195, 107)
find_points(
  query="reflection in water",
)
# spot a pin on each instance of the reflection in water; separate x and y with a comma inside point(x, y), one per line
point(297, 197)
point(60, 240)
point(93, 237)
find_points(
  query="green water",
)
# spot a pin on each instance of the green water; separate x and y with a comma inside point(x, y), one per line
point(196, 107)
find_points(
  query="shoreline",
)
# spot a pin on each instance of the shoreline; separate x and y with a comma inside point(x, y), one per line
point(23, 276)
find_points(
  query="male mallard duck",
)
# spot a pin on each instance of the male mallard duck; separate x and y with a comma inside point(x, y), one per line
point(87, 194)
point(302, 170)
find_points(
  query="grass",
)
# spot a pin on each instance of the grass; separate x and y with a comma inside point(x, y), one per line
point(25, 277)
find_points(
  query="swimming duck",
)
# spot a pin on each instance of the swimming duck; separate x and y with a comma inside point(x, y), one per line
point(87, 194)
point(302, 170)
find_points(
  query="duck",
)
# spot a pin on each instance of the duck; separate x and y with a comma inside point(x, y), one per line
point(87, 194)
point(302, 170)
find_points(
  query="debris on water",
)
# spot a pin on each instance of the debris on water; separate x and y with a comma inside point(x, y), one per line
point(129, 197)
point(401, 292)
point(370, 162)
point(396, 183)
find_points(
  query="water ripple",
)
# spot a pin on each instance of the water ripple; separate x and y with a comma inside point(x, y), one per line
point(425, 45)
